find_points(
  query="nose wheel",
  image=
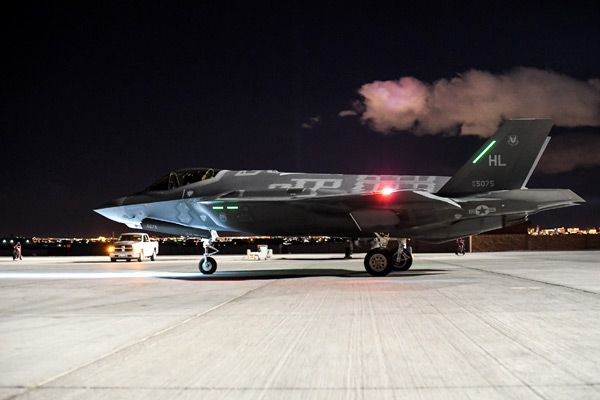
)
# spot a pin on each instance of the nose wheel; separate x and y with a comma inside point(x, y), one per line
point(207, 264)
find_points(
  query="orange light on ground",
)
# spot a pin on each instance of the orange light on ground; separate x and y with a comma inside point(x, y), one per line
point(110, 249)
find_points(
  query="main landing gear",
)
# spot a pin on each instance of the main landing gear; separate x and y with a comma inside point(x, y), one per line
point(380, 260)
point(207, 264)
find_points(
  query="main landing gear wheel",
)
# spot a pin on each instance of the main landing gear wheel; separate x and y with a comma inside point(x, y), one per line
point(207, 265)
point(404, 261)
point(378, 262)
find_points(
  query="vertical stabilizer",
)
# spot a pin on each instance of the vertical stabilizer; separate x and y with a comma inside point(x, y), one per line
point(505, 161)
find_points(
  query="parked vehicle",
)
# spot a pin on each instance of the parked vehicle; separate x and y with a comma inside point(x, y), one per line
point(132, 246)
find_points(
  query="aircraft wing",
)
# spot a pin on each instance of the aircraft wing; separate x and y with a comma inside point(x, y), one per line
point(378, 200)
point(372, 211)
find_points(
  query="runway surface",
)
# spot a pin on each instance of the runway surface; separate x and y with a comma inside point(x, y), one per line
point(516, 325)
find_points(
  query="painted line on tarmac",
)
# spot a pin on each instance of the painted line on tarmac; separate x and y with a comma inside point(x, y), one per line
point(98, 275)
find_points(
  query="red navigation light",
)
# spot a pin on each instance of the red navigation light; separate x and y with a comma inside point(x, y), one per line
point(386, 191)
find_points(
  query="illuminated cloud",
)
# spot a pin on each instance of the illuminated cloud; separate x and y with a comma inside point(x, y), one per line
point(476, 102)
point(311, 122)
point(347, 113)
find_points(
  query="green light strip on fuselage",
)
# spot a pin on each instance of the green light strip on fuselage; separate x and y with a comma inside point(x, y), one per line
point(223, 208)
point(488, 147)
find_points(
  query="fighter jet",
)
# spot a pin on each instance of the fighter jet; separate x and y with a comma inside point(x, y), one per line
point(488, 192)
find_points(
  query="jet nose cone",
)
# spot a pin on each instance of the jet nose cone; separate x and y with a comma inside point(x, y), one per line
point(111, 209)
point(113, 203)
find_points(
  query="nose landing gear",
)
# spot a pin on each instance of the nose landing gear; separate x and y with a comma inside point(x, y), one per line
point(207, 264)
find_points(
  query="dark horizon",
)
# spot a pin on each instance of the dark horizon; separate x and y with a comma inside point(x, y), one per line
point(100, 100)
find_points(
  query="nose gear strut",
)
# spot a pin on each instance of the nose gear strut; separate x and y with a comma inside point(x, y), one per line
point(207, 264)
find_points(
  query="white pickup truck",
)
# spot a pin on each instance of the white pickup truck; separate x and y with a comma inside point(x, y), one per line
point(133, 246)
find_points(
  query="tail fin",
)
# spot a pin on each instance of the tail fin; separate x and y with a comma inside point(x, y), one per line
point(505, 161)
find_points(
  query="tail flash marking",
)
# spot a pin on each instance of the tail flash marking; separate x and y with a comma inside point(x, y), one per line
point(488, 148)
point(515, 147)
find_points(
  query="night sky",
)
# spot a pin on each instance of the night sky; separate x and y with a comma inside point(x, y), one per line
point(101, 99)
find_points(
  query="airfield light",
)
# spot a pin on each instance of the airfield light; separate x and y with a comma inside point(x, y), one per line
point(386, 191)
point(487, 148)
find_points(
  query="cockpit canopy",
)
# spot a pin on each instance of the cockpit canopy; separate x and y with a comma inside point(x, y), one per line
point(182, 177)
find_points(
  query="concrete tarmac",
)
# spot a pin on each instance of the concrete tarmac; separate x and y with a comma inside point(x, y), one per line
point(516, 325)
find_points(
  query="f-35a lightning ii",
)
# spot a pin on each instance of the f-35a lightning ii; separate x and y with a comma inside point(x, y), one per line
point(488, 192)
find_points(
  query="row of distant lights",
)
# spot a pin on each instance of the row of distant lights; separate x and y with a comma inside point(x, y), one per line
point(12, 241)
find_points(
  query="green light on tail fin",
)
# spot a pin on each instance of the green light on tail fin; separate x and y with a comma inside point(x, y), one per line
point(487, 148)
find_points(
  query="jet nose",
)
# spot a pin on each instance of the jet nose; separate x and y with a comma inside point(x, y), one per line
point(113, 203)
point(111, 209)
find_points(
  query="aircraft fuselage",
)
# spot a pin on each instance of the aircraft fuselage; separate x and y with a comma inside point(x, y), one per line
point(238, 203)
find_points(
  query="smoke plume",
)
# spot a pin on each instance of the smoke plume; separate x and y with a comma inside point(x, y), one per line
point(476, 102)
